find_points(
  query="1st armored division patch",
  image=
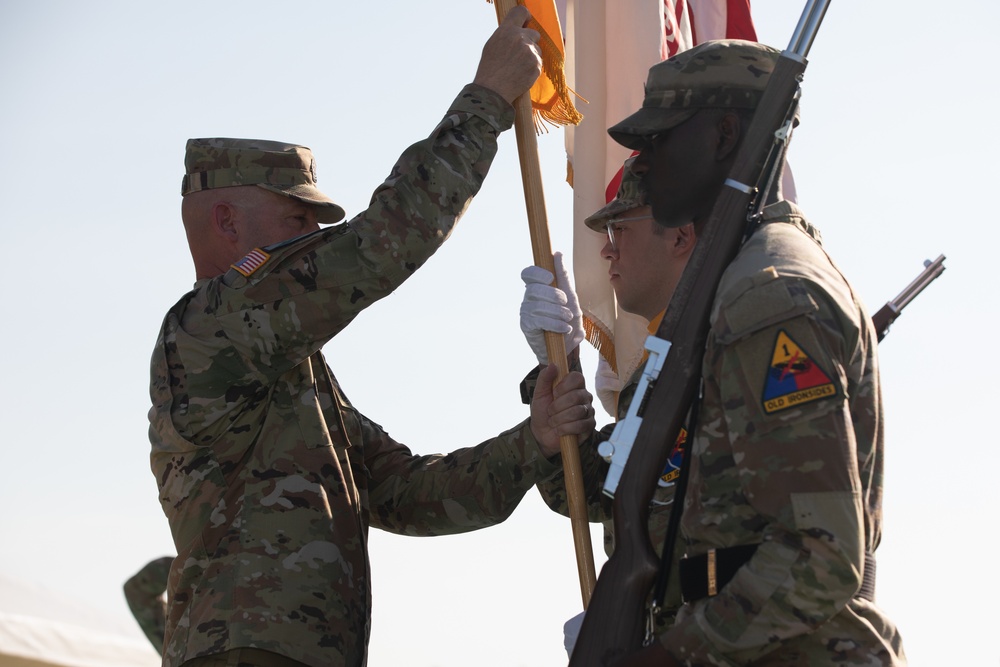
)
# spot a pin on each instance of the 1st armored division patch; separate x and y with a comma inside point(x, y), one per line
point(672, 469)
point(793, 378)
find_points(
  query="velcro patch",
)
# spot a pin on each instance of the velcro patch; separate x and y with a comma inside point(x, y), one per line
point(255, 259)
point(793, 377)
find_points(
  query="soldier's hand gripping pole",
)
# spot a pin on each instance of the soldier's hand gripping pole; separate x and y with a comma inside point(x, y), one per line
point(534, 199)
point(615, 621)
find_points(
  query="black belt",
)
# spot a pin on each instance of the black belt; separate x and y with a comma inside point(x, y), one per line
point(705, 575)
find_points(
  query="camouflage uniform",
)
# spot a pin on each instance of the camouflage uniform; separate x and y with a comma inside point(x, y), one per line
point(268, 475)
point(145, 592)
point(594, 469)
point(788, 455)
point(786, 460)
point(629, 196)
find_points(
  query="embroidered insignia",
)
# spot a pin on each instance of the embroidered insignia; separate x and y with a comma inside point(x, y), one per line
point(672, 470)
point(793, 378)
point(253, 261)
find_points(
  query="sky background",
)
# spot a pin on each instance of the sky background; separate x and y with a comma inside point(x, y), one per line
point(97, 100)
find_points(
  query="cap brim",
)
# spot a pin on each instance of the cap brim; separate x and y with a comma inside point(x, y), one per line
point(328, 211)
point(634, 131)
point(599, 218)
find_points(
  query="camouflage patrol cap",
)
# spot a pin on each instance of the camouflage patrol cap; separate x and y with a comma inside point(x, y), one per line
point(630, 195)
point(285, 169)
point(720, 74)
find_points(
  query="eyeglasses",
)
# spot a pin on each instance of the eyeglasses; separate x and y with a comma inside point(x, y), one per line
point(614, 223)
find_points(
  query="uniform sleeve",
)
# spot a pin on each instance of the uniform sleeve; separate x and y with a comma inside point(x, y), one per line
point(245, 331)
point(145, 593)
point(443, 494)
point(784, 385)
point(594, 469)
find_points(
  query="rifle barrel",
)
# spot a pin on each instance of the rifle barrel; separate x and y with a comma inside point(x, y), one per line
point(888, 313)
point(931, 271)
point(808, 26)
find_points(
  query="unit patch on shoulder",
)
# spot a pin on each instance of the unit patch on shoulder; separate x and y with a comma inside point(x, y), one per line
point(253, 261)
point(672, 469)
point(793, 378)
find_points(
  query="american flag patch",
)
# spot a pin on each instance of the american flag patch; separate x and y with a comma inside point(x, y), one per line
point(253, 261)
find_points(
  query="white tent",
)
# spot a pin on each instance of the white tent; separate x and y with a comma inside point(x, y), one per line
point(41, 628)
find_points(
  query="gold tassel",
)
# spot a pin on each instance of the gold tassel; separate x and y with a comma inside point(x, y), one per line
point(602, 341)
point(558, 109)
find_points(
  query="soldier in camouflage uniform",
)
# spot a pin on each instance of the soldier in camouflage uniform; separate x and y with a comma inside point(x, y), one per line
point(269, 477)
point(646, 261)
point(784, 499)
point(145, 592)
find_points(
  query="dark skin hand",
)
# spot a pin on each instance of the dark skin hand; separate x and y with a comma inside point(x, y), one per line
point(563, 409)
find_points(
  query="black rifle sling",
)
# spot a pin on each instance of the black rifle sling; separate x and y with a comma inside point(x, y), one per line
point(676, 508)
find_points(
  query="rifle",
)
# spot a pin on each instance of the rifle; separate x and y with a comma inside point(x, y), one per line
point(888, 313)
point(614, 624)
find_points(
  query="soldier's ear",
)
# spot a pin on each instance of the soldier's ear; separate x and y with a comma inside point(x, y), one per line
point(684, 240)
point(729, 129)
point(224, 221)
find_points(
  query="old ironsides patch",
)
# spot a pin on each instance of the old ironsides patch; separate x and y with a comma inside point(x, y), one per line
point(793, 378)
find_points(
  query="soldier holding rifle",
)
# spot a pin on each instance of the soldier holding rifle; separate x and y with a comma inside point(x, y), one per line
point(783, 507)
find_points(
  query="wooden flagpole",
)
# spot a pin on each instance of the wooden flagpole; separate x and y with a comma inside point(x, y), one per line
point(534, 198)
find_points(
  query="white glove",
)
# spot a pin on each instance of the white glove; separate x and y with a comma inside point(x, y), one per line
point(548, 308)
point(571, 630)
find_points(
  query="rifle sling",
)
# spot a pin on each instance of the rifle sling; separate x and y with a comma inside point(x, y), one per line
point(676, 508)
point(722, 565)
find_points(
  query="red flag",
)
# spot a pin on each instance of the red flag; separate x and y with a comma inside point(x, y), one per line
point(722, 19)
point(610, 47)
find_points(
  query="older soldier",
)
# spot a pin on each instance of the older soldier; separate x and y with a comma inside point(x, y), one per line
point(785, 487)
point(268, 475)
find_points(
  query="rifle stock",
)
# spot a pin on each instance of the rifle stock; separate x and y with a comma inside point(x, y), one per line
point(614, 624)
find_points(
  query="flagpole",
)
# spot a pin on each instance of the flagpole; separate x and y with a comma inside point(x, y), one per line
point(534, 198)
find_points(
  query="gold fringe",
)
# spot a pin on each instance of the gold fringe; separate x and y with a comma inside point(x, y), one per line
point(602, 340)
point(560, 109)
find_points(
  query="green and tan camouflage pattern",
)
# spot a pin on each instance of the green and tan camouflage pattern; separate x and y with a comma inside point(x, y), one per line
point(630, 195)
point(268, 475)
point(146, 595)
point(806, 482)
point(802, 480)
point(594, 469)
point(718, 74)
point(286, 169)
